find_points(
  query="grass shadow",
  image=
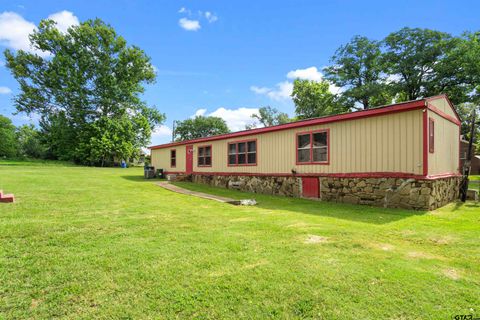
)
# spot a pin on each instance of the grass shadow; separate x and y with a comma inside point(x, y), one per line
point(358, 213)
point(137, 178)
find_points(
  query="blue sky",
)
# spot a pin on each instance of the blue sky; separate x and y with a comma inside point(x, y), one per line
point(228, 58)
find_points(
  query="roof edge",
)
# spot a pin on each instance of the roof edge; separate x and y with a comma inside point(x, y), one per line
point(378, 111)
point(443, 95)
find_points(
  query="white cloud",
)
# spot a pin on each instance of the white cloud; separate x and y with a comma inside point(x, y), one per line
point(189, 25)
point(14, 29)
point(310, 73)
point(210, 17)
point(282, 91)
point(184, 10)
point(162, 131)
point(160, 135)
point(236, 119)
point(199, 112)
point(260, 90)
point(5, 90)
point(64, 19)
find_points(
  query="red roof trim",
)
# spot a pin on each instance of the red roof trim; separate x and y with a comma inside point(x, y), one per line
point(399, 107)
point(442, 114)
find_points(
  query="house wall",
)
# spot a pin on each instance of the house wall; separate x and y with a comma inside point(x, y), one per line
point(442, 104)
point(161, 159)
point(445, 158)
point(388, 143)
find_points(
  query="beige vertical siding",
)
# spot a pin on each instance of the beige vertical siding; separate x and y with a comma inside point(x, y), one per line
point(388, 143)
point(161, 158)
point(442, 104)
point(445, 158)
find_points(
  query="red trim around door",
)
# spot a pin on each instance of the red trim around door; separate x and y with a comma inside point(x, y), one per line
point(189, 159)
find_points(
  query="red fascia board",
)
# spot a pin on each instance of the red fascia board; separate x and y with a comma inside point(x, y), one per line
point(442, 114)
point(425, 142)
point(400, 107)
point(448, 101)
point(400, 175)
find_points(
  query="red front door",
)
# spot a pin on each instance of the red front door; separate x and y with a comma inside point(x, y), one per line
point(189, 157)
point(310, 187)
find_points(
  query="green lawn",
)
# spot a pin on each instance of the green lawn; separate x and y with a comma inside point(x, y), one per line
point(103, 243)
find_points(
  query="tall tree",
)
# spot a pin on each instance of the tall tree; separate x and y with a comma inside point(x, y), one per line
point(357, 68)
point(90, 82)
point(314, 99)
point(8, 141)
point(460, 70)
point(411, 59)
point(269, 116)
point(200, 127)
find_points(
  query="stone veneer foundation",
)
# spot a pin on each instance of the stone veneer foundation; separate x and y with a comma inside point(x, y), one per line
point(415, 194)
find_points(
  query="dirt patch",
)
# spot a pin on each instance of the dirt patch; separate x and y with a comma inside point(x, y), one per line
point(442, 240)
point(35, 303)
point(386, 247)
point(245, 219)
point(451, 273)
point(255, 264)
point(315, 239)
point(423, 255)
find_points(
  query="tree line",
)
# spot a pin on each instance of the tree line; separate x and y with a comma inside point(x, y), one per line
point(86, 87)
point(406, 65)
point(20, 142)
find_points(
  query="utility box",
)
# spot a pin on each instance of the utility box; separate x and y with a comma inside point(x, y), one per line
point(160, 174)
point(149, 172)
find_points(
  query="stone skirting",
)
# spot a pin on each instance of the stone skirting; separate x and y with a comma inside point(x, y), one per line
point(391, 192)
point(282, 186)
point(385, 192)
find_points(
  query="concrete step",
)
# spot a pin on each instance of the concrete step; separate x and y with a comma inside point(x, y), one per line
point(7, 198)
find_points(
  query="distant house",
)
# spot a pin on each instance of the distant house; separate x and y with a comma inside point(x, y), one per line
point(475, 164)
point(401, 155)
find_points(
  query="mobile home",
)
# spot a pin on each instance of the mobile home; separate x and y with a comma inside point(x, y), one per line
point(401, 155)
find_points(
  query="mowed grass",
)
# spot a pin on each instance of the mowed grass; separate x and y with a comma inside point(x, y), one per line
point(103, 243)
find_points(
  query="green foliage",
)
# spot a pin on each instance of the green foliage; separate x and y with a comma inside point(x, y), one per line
point(8, 141)
point(465, 111)
point(90, 82)
point(461, 69)
point(357, 68)
point(314, 99)
point(413, 58)
point(269, 116)
point(29, 142)
point(200, 127)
